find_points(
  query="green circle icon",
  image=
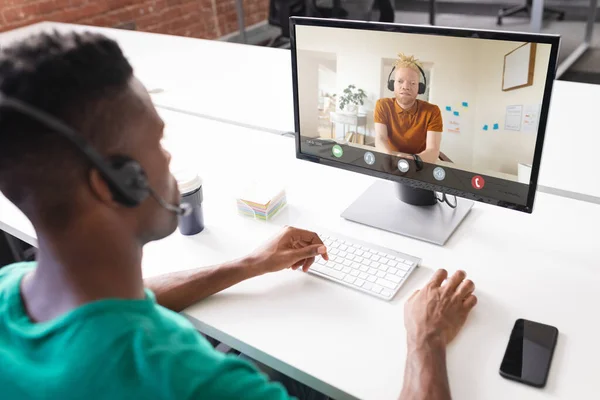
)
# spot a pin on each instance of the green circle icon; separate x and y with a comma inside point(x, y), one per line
point(337, 151)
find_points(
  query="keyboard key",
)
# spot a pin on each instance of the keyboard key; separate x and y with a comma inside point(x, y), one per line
point(386, 283)
point(349, 279)
point(386, 293)
point(350, 257)
point(354, 272)
point(338, 267)
point(334, 251)
point(375, 264)
point(364, 268)
point(372, 278)
point(375, 258)
point(362, 275)
point(400, 273)
point(343, 247)
point(392, 263)
point(392, 270)
point(384, 260)
point(376, 288)
point(359, 282)
point(359, 252)
point(359, 259)
point(403, 267)
point(321, 261)
point(380, 274)
point(347, 263)
point(382, 254)
point(328, 271)
point(366, 262)
point(367, 256)
point(409, 263)
point(343, 254)
point(383, 267)
point(367, 285)
point(335, 245)
point(372, 271)
point(356, 265)
point(351, 250)
point(346, 269)
point(393, 278)
point(327, 243)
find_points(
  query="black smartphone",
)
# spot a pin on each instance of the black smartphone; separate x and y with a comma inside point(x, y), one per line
point(529, 353)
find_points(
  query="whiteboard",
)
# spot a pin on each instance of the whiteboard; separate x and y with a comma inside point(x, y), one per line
point(518, 67)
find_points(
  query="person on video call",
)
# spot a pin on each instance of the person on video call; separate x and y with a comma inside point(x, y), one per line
point(80, 322)
point(404, 125)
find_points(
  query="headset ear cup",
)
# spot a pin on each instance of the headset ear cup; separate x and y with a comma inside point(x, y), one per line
point(134, 175)
point(421, 88)
point(391, 85)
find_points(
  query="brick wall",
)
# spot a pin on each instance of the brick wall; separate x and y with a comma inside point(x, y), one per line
point(196, 18)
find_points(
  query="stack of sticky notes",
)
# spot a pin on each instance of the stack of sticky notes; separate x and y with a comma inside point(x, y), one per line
point(261, 200)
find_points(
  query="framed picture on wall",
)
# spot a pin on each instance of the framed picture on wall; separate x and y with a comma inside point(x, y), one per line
point(519, 66)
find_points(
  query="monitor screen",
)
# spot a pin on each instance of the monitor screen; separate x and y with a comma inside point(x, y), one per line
point(457, 111)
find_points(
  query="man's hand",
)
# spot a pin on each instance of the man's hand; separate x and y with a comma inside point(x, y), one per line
point(292, 248)
point(433, 316)
point(439, 310)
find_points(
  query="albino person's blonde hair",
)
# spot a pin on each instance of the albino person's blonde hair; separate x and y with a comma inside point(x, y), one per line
point(405, 61)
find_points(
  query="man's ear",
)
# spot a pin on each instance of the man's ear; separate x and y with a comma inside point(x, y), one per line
point(100, 188)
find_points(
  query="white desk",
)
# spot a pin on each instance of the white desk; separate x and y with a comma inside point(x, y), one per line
point(252, 87)
point(542, 266)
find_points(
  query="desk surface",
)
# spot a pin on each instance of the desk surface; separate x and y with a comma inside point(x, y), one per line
point(541, 266)
point(252, 86)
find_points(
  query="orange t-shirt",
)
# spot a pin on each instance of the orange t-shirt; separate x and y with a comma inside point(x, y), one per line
point(407, 129)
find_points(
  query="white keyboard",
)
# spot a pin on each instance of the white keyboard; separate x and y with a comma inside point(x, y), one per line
point(371, 269)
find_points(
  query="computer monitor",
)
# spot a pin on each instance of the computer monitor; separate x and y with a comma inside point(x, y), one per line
point(439, 112)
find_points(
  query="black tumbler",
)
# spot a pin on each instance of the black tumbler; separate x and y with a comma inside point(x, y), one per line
point(191, 194)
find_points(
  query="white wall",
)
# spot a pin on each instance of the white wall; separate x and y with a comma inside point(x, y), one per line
point(502, 150)
point(308, 90)
point(461, 70)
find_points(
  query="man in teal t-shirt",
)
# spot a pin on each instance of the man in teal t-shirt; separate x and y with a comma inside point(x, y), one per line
point(80, 322)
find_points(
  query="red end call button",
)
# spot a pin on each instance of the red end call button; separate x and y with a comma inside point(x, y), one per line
point(478, 182)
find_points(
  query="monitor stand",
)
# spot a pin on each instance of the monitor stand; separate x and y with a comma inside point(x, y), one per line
point(407, 211)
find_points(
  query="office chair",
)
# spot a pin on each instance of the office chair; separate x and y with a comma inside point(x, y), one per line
point(507, 12)
point(280, 12)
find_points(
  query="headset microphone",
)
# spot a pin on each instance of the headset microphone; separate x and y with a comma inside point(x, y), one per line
point(126, 178)
point(183, 210)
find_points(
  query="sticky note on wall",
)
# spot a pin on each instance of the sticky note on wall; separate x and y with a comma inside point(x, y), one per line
point(456, 113)
point(448, 108)
point(495, 126)
point(485, 127)
point(465, 104)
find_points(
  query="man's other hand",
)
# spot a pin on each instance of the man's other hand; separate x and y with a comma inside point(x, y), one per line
point(439, 310)
point(292, 248)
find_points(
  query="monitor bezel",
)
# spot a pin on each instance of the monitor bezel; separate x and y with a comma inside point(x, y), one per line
point(553, 40)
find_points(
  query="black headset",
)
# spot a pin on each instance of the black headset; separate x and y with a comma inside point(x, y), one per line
point(126, 178)
point(422, 85)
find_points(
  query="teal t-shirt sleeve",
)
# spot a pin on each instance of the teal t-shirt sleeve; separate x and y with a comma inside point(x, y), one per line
point(194, 371)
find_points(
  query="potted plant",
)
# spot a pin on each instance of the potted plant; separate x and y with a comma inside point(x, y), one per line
point(351, 98)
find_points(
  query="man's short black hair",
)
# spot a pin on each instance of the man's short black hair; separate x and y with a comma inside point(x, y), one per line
point(74, 77)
